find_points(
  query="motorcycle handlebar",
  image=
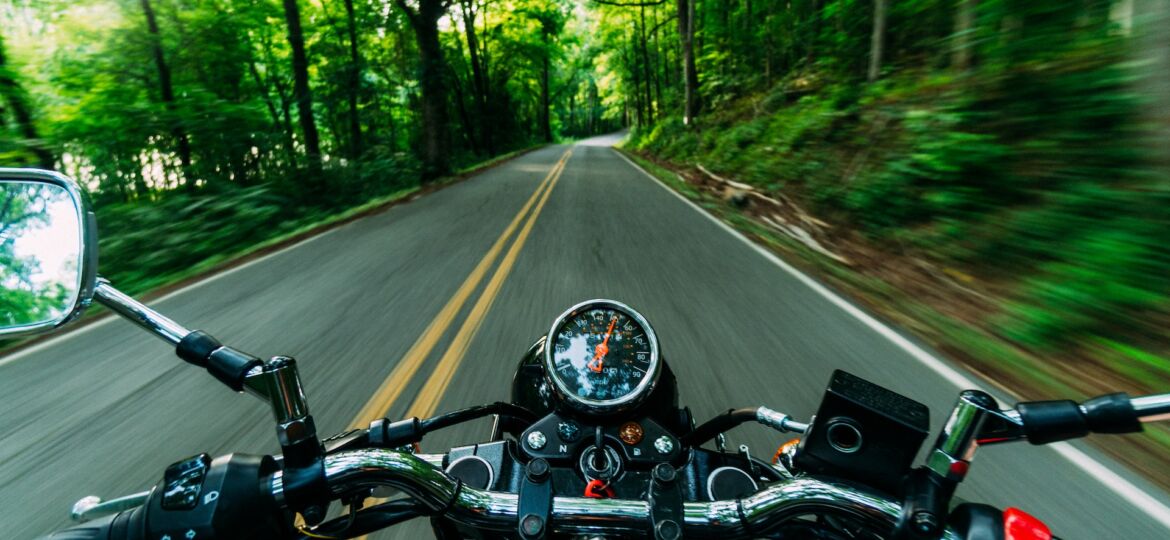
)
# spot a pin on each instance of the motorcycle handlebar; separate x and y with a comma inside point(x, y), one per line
point(1155, 408)
point(749, 517)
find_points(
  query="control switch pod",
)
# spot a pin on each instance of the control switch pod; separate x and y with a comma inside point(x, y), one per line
point(183, 482)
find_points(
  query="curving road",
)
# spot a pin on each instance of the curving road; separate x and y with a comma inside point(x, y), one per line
point(436, 290)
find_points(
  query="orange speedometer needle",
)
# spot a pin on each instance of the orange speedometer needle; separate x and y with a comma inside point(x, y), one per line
point(602, 349)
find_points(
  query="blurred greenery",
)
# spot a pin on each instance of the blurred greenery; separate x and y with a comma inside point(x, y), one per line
point(188, 124)
point(1019, 143)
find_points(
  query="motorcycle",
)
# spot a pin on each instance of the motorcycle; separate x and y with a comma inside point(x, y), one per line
point(592, 444)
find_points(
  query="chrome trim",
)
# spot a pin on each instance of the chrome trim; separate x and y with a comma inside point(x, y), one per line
point(491, 472)
point(711, 480)
point(91, 507)
point(489, 510)
point(959, 437)
point(436, 460)
point(87, 253)
point(1154, 408)
point(770, 507)
point(613, 465)
point(626, 402)
point(279, 383)
point(779, 421)
point(138, 313)
point(835, 427)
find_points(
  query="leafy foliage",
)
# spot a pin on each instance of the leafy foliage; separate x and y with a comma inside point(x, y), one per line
point(1013, 141)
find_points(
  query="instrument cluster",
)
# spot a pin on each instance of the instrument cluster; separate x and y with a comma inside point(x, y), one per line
point(602, 357)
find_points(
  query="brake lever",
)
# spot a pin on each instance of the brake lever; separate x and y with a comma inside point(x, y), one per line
point(93, 507)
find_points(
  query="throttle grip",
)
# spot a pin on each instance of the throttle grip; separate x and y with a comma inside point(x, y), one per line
point(126, 525)
point(200, 498)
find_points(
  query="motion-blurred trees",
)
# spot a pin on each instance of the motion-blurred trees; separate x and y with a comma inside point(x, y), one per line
point(1022, 142)
point(319, 99)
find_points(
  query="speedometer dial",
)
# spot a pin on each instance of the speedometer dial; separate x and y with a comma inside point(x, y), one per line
point(602, 356)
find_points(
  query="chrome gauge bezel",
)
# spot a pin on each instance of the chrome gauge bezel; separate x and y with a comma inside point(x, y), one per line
point(598, 406)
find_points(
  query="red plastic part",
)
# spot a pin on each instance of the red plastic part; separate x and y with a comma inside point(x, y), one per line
point(596, 489)
point(1020, 525)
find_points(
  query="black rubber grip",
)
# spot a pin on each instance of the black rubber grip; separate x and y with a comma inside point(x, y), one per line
point(1111, 413)
point(1050, 421)
point(230, 366)
point(386, 434)
point(126, 525)
point(197, 347)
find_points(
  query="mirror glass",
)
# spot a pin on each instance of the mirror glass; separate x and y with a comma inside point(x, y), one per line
point(40, 253)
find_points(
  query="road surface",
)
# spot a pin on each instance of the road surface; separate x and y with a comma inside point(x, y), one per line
point(105, 409)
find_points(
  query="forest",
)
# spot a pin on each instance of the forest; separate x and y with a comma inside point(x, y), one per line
point(995, 174)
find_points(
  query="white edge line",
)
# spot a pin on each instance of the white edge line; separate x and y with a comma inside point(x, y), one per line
point(1115, 482)
point(205, 281)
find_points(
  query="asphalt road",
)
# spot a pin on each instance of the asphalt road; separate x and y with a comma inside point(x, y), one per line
point(104, 410)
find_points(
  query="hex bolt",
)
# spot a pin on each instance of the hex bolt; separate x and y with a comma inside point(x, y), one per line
point(531, 525)
point(664, 473)
point(667, 530)
point(925, 522)
point(536, 440)
point(538, 469)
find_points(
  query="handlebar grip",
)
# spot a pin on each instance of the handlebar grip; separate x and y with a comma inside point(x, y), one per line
point(231, 501)
point(125, 525)
point(1051, 421)
point(1111, 413)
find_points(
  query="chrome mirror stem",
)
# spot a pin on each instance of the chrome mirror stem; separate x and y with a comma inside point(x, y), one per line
point(276, 382)
point(138, 313)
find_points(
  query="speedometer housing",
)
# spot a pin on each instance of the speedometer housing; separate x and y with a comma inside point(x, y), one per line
point(602, 357)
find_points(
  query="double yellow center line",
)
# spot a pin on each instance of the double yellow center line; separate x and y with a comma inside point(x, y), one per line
point(427, 400)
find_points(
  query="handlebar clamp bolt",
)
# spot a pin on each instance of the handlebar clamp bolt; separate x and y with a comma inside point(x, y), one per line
point(664, 473)
point(926, 523)
point(531, 525)
point(667, 530)
point(538, 469)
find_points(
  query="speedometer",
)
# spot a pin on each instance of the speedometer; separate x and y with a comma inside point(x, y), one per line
point(602, 356)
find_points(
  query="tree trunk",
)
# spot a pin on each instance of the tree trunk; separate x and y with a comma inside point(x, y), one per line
point(355, 79)
point(964, 25)
point(658, 67)
point(284, 128)
point(877, 40)
point(1151, 50)
point(301, 93)
point(814, 32)
point(434, 88)
point(545, 99)
point(545, 102)
point(464, 118)
point(168, 95)
point(12, 92)
point(646, 68)
point(477, 73)
point(686, 32)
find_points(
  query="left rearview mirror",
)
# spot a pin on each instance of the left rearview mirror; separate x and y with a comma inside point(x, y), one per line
point(48, 251)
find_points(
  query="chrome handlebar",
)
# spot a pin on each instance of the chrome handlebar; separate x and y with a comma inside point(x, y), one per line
point(1155, 408)
point(421, 478)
